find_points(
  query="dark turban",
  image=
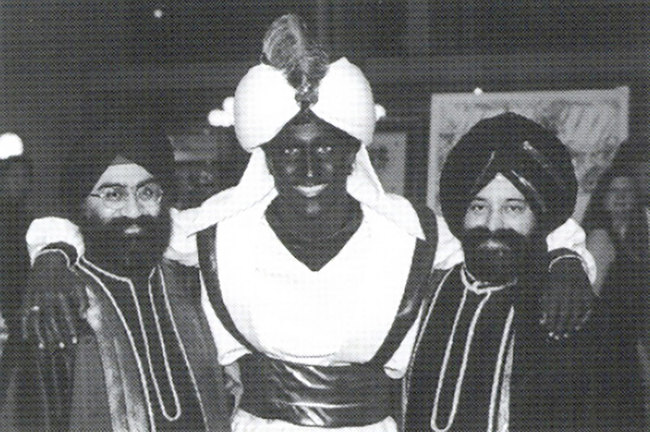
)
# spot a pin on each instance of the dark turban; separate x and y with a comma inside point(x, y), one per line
point(139, 141)
point(531, 157)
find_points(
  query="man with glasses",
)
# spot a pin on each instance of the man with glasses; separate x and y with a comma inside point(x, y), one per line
point(146, 361)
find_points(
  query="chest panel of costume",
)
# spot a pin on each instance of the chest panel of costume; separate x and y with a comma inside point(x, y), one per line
point(337, 315)
point(146, 318)
point(461, 366)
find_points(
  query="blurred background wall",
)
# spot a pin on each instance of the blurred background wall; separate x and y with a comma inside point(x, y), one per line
point(64, 61)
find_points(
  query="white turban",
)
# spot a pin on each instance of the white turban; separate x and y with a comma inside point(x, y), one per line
point(264, 103)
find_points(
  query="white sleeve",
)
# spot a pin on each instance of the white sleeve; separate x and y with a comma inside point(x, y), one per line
point(398, 363)
point(182, 241)
point(449, 251)
point(48, 230)
point(570, 235)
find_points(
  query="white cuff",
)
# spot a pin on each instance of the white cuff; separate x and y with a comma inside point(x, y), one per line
point(570, 235)
point(182, 245)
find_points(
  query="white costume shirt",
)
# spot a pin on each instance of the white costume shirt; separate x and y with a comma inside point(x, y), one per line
point(338, 315)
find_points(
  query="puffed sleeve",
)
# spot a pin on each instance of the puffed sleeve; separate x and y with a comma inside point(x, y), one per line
point(182, 242)
point(50, 230)
point(449, 251)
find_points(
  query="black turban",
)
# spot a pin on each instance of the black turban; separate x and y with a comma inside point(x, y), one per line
point(531, 157)
point(139, 141)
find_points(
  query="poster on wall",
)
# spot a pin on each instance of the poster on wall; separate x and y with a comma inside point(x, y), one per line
point(592, 123)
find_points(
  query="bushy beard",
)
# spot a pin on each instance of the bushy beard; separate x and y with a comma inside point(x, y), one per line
point(109, 246)
point(496, 257)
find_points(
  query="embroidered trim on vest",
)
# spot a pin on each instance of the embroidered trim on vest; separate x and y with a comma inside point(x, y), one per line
point(499, 370)
point(177, 405)
point(445, 362)
point(182, 347)
point(488, 291)
point(143, 377)
point(163, 407)
point(418, 342)
point(503, 415)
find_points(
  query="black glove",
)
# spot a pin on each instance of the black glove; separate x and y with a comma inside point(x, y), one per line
point(54, 303)
point(567, 301)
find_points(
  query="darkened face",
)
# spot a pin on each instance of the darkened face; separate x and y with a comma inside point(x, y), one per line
point(497, 232)
point(310, 164)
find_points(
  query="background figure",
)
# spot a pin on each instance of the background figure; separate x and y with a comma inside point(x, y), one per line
point(617, 236)
point(15, 174)
point(15, 363)
point(642, 177)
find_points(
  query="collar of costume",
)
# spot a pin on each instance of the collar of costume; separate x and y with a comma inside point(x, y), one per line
point(478, 287)
point(264, 103)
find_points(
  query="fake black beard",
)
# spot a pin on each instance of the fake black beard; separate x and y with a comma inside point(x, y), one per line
point(496, 257)
point(127, 254)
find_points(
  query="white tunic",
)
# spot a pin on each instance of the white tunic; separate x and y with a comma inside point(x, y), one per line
point(335, 316)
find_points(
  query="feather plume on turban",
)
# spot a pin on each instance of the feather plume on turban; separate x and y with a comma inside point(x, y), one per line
point(531, 157)
point(296, 75)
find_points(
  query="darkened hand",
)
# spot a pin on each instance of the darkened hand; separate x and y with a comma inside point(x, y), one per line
point(568, 299)
point(54, 303)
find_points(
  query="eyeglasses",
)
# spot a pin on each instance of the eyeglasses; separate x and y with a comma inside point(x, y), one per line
point(116, 197)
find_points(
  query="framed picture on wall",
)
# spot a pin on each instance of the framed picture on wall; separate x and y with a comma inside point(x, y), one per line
point(592, 123)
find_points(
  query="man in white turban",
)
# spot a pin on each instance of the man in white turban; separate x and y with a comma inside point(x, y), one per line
point(313, 275)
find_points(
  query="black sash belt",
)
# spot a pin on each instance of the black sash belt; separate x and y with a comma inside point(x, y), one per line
point(322, 396)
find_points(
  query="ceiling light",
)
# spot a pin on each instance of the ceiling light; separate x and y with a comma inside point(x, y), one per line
point(10, 145)
point(380, 112)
